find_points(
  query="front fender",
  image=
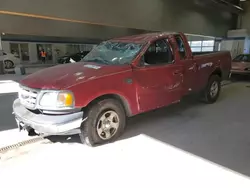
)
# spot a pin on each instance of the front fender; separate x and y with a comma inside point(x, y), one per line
point(126, 102)
point(87, 92)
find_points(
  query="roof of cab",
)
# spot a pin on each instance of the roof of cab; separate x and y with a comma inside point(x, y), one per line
point(142, 38)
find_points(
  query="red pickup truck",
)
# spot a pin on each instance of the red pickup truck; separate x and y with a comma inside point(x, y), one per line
point(119, 78)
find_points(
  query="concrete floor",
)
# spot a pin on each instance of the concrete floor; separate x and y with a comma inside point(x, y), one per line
point(8, 93)
point(189, 144)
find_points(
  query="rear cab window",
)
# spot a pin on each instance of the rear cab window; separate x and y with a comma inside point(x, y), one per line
point(181, 47)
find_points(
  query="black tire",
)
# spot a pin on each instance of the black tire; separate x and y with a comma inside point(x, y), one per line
point(8, 64)
point(207, 96)
point(89, 135)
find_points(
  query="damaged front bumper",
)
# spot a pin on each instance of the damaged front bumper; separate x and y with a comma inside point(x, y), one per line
point(67, 124)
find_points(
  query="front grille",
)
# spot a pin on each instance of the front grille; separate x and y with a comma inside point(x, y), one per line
point(28, 97)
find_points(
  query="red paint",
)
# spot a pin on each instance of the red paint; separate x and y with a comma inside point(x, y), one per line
point(152, 87)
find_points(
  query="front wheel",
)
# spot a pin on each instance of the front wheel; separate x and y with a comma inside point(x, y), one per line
point(105, 122)
point(212, 90)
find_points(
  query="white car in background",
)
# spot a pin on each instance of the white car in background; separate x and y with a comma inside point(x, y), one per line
point(10, 60)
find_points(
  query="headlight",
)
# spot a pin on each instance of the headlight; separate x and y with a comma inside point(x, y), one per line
point(57, 100)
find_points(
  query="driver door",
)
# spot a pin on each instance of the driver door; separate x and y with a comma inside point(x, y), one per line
point(158, 79)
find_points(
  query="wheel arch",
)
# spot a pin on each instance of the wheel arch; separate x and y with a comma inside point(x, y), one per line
point(217, 71)
point(117, 97)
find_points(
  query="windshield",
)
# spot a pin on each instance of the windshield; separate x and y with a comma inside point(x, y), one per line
point(113, 53)
point(240, 58)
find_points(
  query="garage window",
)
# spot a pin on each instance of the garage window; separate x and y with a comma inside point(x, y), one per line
point(207, 46)
point(196, 46)
point(202, 46)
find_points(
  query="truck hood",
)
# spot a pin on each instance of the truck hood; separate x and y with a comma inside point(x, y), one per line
point(66, 75)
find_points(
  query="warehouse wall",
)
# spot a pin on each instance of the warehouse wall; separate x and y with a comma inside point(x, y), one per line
point(32, 26)
point(243, 21)
point(171, 15)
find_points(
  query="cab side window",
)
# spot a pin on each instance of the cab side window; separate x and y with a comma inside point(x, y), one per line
point(181, 46)
point(158, 53)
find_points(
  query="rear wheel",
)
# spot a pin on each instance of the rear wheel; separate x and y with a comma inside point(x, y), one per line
point(212, 90)
point(105, 122)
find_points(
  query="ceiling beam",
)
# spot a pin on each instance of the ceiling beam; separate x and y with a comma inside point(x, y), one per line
point(228, 6)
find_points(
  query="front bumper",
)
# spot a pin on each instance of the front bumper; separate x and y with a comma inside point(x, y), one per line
point(67, 124)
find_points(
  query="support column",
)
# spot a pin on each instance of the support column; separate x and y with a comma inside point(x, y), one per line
point(1, 47)
point(1, 57)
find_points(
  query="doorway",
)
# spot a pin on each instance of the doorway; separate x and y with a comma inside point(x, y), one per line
point(20, 50)
point(47, 48)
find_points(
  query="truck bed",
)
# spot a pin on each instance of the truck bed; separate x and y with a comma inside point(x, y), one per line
point(210, 53)
point(206, 53)
point(220, 58)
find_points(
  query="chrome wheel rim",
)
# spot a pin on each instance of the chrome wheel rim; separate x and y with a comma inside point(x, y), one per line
point(214, 89)
point(108, 125)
